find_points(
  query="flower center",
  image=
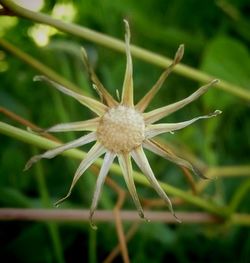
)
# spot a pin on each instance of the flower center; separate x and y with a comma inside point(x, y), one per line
point(121, 129)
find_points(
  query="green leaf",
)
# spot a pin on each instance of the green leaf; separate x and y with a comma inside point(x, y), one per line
point(227, 59)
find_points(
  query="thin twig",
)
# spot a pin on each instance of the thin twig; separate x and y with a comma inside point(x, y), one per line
point(189, 179)
point(103, 215)
point(157, 202)
point(115, 252)
point(118, 221)
point(82, 215)
point(26, 123)
point(119, 227)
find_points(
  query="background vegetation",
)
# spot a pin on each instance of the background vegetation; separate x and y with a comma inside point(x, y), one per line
point(216, 37)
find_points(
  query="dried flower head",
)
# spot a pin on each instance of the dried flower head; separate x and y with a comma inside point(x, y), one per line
point(122, 129)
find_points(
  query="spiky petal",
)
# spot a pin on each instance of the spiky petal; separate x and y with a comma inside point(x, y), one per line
point(127, 90)
point(96, 151)
point(126, 166)
point(142, 162)
point(92, 104)
point(62, 148)
point(157, 114)
point(162, 151)
point(107, 162)
point(109, 100)
point(88, 125)
point(156, 129)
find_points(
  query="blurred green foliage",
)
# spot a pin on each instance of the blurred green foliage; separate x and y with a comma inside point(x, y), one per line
point(215, 42)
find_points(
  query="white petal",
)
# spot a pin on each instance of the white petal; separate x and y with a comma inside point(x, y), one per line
point(96, 151)
point(107, 162)
point(142, 162)
point(52, 153)
point(127, 90)
point(126, 166)
point(156, 129)
point(92, 104)
point(88, 125)
point(157, 114)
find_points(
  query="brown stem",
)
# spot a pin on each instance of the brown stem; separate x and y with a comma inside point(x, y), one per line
point(115, 252)
point(26, 123)
point(189, 179)
point(157, 202)
point(105, 216)
point(119, 227)
point(118, 221)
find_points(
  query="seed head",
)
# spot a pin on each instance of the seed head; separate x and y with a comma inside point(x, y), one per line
point(121, 129)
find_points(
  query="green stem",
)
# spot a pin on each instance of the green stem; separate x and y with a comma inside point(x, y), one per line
point(240, 192)
point(52, 226)
point(92, 246)
point(41, 142)
point(119, 45)
point(41, 184)
point(228, 171)
point(241, 219)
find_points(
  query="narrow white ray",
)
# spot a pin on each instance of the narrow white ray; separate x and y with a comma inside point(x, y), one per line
point(162, 151)
point(145, 101)
point(126, 167)
point(92, 104)
point(157, 114)
point(156, 129)
point(142, 162)
point(88, 125)
point(107, 162)
point(127, 90)
point(53, 152)
point(96, 151)
point(110, 101)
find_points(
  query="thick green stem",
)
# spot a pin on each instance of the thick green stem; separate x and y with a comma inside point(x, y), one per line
point(228, 171)
point(241, 219)
point(119, 45)
point(41, 142)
